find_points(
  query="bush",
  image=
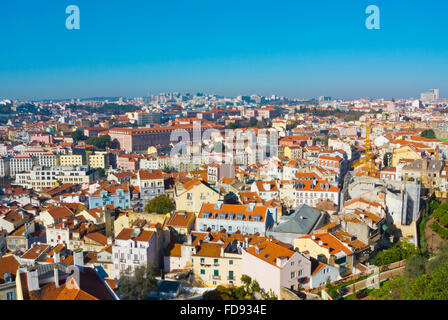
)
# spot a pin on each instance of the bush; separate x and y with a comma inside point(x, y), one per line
point(399, 251)
point(161, 205)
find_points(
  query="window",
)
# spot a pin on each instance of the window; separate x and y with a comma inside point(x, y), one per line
point(230, 261)
point(215, 261)
point(10, 296)
point(299, 273)
point(202, 271)
point(202, 260)
point(293, 274)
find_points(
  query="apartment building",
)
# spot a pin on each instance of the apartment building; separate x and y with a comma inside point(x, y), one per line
point(4, 166)
point(250, 219)
point(47, 159)
point(149, 183)
point(71, 160)
point(117, 195)
point(191, 195)
point(217, 263)
point(216, 172)
point(133, 247)
point(21, 163)
point(46, 177)
point(310, 192)
point(267, 190)
point(275, 265)
point(98, 160)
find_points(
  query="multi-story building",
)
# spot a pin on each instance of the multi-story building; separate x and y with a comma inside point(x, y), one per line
point(267, 190)
point(133, 247)
point(21, 163)
point(150, 184)
point(68, 232)
point(46, 177)
point(139, 139)
point(425, 170)
point(218, 171)
point(191, 195)
point(47, 159)
point(250, 219)
point(116, 195)
point(4, 166)
point(310, 192)
point(71, 160)
point(275, 266)
point(98, 160)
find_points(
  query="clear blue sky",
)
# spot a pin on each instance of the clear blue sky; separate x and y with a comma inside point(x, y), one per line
point(294, 48)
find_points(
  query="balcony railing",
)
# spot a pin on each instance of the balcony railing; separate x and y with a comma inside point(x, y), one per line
point(216, 277)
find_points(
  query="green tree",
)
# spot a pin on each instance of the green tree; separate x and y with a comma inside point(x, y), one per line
point(429, 133)
point(78, 135)
point(101, 142)
point(161, 205)
point(399, 251)
point(415, 266)
point(138, 286)
point(101, 173)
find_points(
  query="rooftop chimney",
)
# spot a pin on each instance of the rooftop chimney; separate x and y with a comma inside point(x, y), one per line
point(32, 278)
point(78, 259)
point(56, 275)
point(57, 256)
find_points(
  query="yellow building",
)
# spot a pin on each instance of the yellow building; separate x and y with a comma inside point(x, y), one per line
point(98, 160)
point(215, 267)
point(293, 153)
point(405, 152)
point(326, 247)
point(68, 160)
point(425, 170)
point(190, 196)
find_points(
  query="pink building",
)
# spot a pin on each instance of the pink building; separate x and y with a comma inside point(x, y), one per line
point(43, 138)
point(128, 162)
point(139, 139)
point(275, 265)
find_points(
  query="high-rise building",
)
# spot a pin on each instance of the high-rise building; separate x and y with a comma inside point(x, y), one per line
point(430, 96)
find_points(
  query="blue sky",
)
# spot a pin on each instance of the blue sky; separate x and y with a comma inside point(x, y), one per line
point(293, 48)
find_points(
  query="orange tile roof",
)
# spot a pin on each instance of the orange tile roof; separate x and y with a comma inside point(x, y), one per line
point(269, 252)
point(329, 241)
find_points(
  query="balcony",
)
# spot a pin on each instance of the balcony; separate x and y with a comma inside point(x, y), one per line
point(216, 277)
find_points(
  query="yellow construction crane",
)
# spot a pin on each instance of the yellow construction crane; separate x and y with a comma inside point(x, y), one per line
point(367, 163)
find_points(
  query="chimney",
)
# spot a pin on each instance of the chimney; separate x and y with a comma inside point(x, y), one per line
point(78, 259)
point(56, 275)
point(32, 278)
point(189, 240)
point(57, 256)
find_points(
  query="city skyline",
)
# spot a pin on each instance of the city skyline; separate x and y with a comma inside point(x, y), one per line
point(291, 49)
